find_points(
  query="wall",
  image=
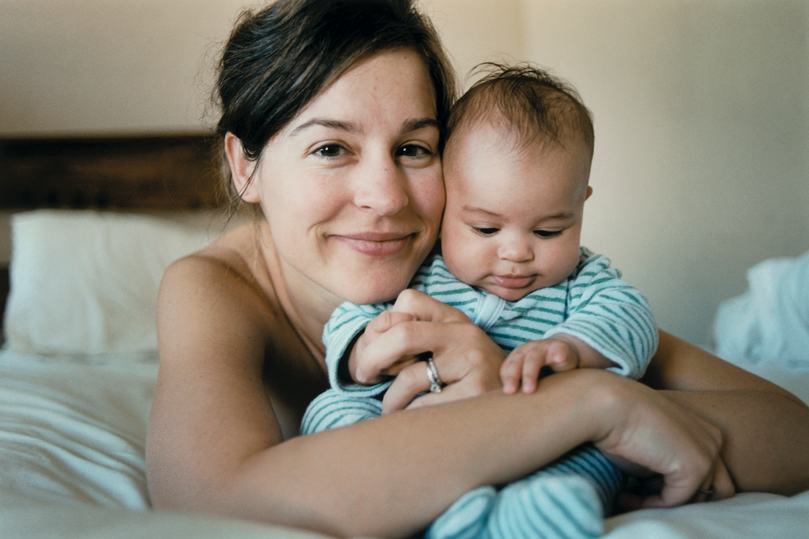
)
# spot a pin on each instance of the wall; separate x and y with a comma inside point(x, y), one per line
point(702, 127)
point(106, 66)
point(701, 111)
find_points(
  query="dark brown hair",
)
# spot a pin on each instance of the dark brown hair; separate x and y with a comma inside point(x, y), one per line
point(278, 59)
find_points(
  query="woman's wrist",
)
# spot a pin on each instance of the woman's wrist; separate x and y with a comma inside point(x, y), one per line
point(602, 401)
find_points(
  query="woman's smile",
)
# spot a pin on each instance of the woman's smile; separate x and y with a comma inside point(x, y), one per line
point(377, 244)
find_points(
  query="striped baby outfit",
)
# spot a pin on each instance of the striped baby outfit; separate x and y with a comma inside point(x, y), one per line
point(567, 498)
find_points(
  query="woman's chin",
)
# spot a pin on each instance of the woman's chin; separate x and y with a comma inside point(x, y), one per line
point(368, 290)
point(367, 297)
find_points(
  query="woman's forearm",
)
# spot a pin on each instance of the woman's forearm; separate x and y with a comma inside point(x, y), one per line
point(392, 475)
point(765, 428)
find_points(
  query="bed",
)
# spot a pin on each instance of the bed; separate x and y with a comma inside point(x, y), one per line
point(94, 224)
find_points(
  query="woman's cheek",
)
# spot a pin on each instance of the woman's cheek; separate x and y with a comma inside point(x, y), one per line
point(436, 197)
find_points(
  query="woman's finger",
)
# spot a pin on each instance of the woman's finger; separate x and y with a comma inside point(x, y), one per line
point(411, 382)
point(386, 320)
point(667, 440)
point(391, 341)
point(723, 485)
point(397, 347)
point(466, 360)
point(412, 386)
point(716, 486)
point(426, 308)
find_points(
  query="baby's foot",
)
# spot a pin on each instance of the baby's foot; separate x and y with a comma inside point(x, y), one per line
point(542, 506)
point(466, 518)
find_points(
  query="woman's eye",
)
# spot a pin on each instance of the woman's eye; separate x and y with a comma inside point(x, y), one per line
point(486, 231)
point(330, 150)
point(547, 233)
point(413, 150)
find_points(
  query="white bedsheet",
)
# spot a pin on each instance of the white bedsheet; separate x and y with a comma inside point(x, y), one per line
point(72, 433)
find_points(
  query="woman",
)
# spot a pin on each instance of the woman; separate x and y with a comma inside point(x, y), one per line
point(332, 124)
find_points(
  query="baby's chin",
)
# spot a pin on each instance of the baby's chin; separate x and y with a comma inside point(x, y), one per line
point(508, 294)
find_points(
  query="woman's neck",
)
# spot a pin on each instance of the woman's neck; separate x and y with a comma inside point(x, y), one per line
point(306, 305)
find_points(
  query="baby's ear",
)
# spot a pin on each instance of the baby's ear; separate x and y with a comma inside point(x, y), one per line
point(241, 169)
point(589, 192)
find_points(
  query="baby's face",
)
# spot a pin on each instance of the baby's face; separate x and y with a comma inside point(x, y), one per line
point(513, 218)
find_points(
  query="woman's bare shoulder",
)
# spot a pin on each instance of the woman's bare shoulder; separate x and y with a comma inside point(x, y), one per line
point(226, 258)
point(218, 312)
point(216, 292)
point(230, 267)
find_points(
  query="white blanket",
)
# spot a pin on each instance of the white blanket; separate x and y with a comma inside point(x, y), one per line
point(72, 433)
point(769, 323)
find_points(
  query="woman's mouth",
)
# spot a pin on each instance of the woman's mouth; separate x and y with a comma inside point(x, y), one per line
point(375, 244)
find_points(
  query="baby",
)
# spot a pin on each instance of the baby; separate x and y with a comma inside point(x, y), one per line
point(516, 169)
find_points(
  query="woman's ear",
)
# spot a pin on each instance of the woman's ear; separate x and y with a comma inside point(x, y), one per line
point(589, 192)
point(241, 169)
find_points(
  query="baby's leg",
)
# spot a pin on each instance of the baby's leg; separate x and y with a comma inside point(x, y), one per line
point(332, 409)
point(466, 518)
point(568, 498)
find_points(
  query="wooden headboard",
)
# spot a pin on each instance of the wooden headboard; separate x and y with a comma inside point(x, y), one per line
point(145, 172)
point(160, 172)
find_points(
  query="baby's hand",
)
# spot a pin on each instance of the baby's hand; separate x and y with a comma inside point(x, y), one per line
point(527, 360)
point(359, 371)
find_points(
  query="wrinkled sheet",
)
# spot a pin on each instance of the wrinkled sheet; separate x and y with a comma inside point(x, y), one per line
point(769, 322)
point(72, 433)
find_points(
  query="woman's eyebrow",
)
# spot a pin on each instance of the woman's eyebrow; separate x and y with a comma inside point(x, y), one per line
point(415, 124)
point(408, 126)
point(331, 124)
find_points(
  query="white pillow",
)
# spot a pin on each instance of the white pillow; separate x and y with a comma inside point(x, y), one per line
point(87, 282)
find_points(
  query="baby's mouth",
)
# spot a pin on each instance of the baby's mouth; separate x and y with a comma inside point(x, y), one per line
point(513, 281)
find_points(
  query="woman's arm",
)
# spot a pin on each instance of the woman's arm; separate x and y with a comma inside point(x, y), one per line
point(215, 444)
point(763, 425)
point(765, 428)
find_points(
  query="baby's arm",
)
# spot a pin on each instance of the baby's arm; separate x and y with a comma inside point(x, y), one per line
point(609, 325)
point(556, 354)
point(345, 330)
point(350, 330)
point(376, 327)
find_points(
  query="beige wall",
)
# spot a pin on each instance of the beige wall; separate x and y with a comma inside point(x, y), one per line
point(702, 128)
point(701, 110)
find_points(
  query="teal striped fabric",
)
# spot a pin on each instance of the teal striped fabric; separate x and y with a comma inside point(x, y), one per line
point(593, 304)
point(569, 497)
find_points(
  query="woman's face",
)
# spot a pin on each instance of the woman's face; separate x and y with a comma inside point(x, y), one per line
point(352, 187)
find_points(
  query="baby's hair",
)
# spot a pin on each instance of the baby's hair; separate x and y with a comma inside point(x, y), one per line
point(533, 105)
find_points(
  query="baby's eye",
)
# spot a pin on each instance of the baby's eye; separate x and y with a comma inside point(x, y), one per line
point(545, 234)
point(486, 231)
point(330, 150)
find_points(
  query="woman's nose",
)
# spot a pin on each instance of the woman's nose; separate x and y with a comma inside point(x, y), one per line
point(514, 248)
point(381, 186)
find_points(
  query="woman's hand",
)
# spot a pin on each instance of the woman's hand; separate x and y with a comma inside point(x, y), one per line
point(647, 434)
point(466, 359)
